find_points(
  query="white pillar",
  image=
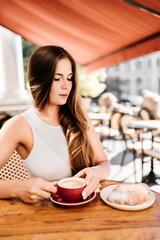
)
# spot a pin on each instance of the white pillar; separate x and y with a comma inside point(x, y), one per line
point(12, 86)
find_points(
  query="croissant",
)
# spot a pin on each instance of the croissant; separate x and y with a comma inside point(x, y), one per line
point(129, 194)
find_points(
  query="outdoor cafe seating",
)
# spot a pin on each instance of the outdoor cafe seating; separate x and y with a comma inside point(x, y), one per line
point(149, 142)
point(109, 131)
point(154, 154)
point(137, 140)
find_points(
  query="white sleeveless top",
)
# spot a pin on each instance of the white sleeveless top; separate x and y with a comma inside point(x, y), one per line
point(49, 157)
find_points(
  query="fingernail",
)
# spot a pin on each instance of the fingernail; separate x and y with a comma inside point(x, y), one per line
point(84, 195)
point(87, 182)
point(55, 182)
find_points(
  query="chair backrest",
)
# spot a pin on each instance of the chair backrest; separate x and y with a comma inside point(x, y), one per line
point(14, 168)
point(114, 120)
point(144, 114)
point(124, 120)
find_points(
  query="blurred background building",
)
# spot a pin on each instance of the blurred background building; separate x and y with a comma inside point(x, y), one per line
point(127, 79)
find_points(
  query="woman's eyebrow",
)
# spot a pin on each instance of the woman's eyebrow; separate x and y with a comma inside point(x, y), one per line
point(59, 74)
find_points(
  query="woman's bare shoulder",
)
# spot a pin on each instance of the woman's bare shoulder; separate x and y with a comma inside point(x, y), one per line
point(16, 120)
point(16, 124)
point(15, 134)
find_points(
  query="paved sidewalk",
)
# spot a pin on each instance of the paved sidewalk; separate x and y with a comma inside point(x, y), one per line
point(126, 172)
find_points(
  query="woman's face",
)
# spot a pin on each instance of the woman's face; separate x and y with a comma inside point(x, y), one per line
point(62, 82)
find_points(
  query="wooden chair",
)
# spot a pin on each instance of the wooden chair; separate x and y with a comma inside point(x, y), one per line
point(114, 128)
point(111, 130)
point(14, 168)
point(144, 114)
point(114, 124)
point(134, 140)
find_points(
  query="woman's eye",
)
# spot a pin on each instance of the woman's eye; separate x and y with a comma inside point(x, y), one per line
point(70, 79)
point(56, 79)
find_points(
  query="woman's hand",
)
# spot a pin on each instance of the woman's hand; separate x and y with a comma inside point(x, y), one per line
point(35, 189)
point(92, 180)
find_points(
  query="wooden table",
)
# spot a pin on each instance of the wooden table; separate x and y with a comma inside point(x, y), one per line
point(148, 125)
point(95, 221)
point(99, 116)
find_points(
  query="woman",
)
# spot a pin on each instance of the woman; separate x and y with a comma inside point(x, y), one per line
point(55, 138)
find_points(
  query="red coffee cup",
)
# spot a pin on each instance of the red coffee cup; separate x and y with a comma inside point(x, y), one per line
point(70, 189)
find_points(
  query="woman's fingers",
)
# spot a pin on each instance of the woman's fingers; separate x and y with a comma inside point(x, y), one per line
point(92, 182)
point(81, 173)
point(44, 195)
point(36, 189)
point(55, 183)
point(85, 173)
point(89, 175)
point(49, 186)
point(91, 187)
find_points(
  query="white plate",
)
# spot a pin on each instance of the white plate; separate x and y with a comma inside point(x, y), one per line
point(105, 191)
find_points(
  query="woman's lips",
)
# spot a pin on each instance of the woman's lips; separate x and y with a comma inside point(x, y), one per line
point(63, 95)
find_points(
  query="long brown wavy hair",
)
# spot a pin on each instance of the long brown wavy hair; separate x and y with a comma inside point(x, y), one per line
point(41, 71)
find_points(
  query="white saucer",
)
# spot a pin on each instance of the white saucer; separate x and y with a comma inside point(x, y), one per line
point(105, 191)
point(60, 201)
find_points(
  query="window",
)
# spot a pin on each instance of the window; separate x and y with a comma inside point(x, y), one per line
point(158, 62)
point(149, 63)
point(138, 81)
point(138, 65)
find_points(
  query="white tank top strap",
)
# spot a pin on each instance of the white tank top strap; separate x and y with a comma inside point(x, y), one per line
point(26, 116)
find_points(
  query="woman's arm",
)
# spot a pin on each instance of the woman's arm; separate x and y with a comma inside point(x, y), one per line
point(9, 138)
point(16, 131)
point(102, 169)
point(30, 190)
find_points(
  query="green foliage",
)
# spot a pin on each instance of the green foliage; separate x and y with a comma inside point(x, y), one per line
point(93, 84)
point(28, 49)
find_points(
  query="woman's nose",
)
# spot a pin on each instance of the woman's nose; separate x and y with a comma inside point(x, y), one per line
point(64, 84)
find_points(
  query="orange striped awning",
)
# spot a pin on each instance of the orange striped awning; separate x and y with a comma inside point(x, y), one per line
point(98, 33)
